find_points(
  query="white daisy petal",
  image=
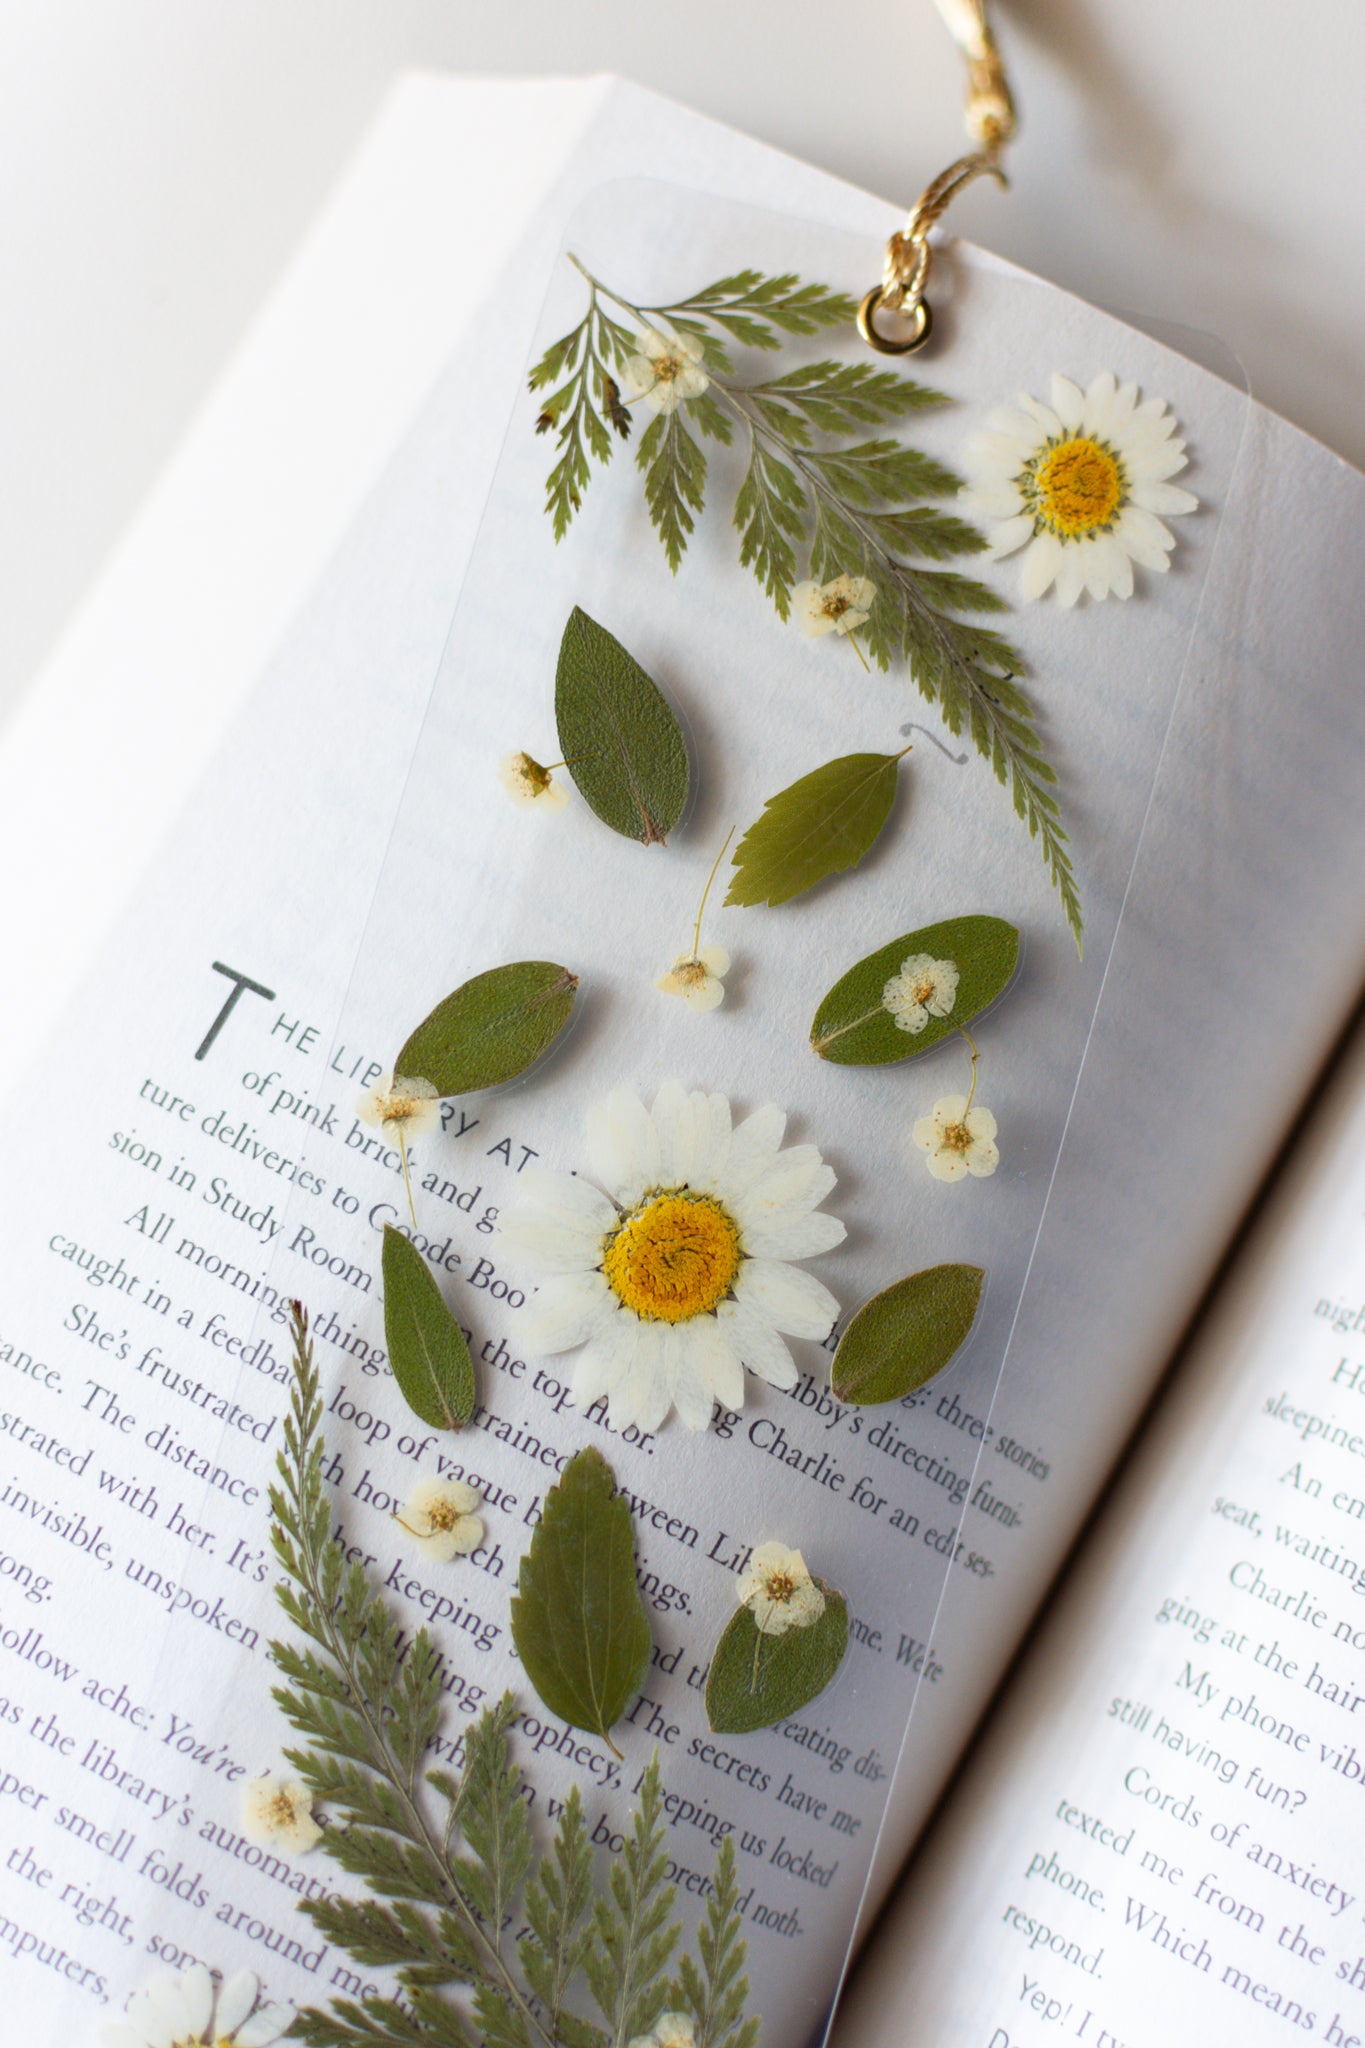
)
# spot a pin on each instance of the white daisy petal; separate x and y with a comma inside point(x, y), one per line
point(791, 1299)
point(552, 1247)
point(1043, 416)
point(568, 1309)
point(1068, 402)
point(623, 1146)
point(605, 1361)
point(795, 1237)
point(1001, 500)
point(671, 1115)
point(1157, 497)
point(713, 1151)
point(644, 1394)
point(266, 2027)
point(1040, 565)
point(1071, 576)
point(797, 1181)
point(1146, 539)
point(1011, 534)
point(718, 1363)
point(541, 1187)
point(689, 1391)
point(752, 1146)
point(715, 960)
point(1155, 467)
point(757, 1345)
point(238, 1995)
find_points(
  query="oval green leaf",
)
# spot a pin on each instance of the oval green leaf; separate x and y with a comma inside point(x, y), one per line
point(853, 1026)
point(427, 1347)
point(622, 744)
point(791, 1668)
point(906, 1334)
point(822, 825)
point(490, 1029)
point(578, 1621)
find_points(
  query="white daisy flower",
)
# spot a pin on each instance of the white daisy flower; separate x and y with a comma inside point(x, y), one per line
point(439, 1515)
point(957, 1140)
point(194, 2011)
point(279, 1810)
point(679, 1276)
point(665, 370)
point(697, 978)
point(399, 1104)
point(837, 607)
point(778, 1590)
point(670, 2030)
point(527, 783)
point(1082, 484)
point(921, 988)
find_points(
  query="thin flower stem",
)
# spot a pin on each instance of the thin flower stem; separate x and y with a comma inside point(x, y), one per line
point(852, 639)
point(701, 908)
point(971, 1047)
point(403, 1155)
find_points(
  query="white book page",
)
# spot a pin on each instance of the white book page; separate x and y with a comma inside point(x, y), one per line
point(140, 1682)
point(1160, 1839)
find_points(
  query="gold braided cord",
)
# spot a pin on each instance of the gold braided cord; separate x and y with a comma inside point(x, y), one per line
point(991, 122)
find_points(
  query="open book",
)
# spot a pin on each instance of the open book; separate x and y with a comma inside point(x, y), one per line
point(256, 893)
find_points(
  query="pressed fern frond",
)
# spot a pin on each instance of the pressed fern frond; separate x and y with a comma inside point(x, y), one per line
point(803, 505)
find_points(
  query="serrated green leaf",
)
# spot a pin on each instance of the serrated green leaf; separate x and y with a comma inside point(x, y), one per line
point(624, 748)
point(853, 1026)
point(490, 1029)
point(757, 1680)
point(578, 1621)
point(822, 825)
point(905, 1335)
point(426, 1345)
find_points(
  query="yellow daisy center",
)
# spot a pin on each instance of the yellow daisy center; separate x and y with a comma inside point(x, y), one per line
point(1074, 487)
point(673, 1258)
point(279, 1811)
point(955, 1137)
point(442, 1515)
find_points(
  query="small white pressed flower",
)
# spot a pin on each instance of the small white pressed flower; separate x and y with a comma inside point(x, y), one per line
point(670, 2030)
point(1079, 484)
point(837, 607)
point(921, 988)
point(527, 783)
point(194, 2011)
point(778, 1590)
point(279, 1810)
point(439, 1515)
point(681, 1276)
point(957, 1140)
point(402, 1107)
point(665, 370)
point(698, 978)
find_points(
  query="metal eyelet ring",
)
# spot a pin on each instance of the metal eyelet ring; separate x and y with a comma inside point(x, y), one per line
point(921, 326)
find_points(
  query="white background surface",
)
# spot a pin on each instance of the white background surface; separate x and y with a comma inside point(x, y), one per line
point(159, 163)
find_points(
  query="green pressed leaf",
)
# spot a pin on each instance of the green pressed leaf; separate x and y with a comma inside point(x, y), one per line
point(854, 1028)
point(578, 1621)
point(491, 1028)
point(427, 1348)
point(821, 825)
point(791, 1668)
point(906, 1334)
point(624, 748)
